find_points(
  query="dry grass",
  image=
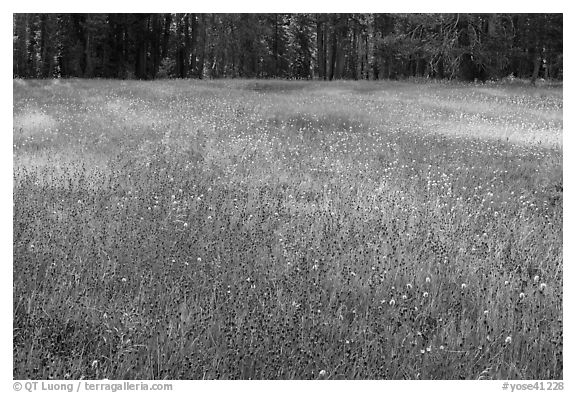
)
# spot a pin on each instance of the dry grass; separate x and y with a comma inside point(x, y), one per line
point(254, 229)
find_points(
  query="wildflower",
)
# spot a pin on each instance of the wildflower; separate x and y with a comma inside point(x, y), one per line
point(542, 287)
point(536, 278)
point(428, 280)
point(441, 347)
point(322, 373)
point(506, 282)
point(199, 259)
point(464, 286)
point(508, 340)
point(485, 312)
point(409, 286)
point(124, 279)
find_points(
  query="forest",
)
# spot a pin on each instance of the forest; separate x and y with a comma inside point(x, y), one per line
point(293, 46)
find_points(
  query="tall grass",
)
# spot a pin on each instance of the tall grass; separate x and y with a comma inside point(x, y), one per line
point(264, 230)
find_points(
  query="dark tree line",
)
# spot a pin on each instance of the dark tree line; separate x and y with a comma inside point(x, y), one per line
point(324, 46)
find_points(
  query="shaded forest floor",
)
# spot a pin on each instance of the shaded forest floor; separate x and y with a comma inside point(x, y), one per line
point(271, 229)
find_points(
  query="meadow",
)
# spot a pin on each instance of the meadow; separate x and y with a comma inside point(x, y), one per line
point(245, 229)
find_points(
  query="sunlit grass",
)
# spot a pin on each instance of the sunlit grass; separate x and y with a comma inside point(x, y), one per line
point(272, 229)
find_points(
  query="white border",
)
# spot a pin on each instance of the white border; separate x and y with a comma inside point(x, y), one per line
point(294, 6)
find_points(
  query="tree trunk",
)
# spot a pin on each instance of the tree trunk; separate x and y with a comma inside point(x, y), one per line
point(43, 46)
point(155, 50)
point(31, 47)
point(88, 56)
point(320, 47)
point(187, 47)
point(193, 43)
point(341, 33)
point(536, 67)
point(166, 37)
point(22, 45)
point(275, 45)
point(370, 47)
point(124, 67)
point(359, 55)
point(140, 68)
point(333, 47)
point(353, 62)
point(179, 46)
point(202, 56)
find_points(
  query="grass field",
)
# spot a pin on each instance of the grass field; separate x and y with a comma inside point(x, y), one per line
point(277, 230)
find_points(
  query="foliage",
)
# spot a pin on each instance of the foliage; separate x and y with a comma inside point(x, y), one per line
point(167, 69)
point(326, 46)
